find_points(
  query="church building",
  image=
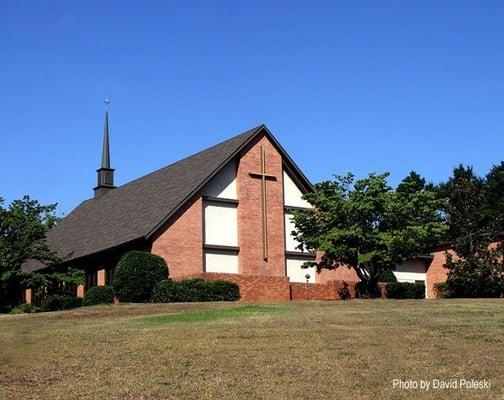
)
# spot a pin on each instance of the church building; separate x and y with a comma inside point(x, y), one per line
point(222, 213)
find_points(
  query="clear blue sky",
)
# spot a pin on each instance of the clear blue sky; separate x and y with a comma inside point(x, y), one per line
point(345, 86)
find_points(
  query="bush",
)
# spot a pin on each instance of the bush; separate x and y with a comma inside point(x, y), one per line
point(387, 276)
point(57, 302)
point(405, 290)
point(165, 292)
point(442, 290)
point(99, 295)
point(136, 275)
point(24, 309)
point(225, 291)
point(190, 290)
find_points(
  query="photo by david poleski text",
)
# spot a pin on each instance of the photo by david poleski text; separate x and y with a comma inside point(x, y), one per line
point(440, 384)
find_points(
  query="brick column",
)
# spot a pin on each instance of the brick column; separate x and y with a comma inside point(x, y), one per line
point(250, 237)
point(80, 291)
point(100, 277)
point(28, 295)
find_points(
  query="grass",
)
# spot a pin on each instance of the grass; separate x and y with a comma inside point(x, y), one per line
point(299, 350)
point(209, 315)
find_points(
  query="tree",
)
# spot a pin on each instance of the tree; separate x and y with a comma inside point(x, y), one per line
point(365, 225)
point(493, 198)
point(474, 210)
point(23, 228)
point(463, 206)
point(477, 275)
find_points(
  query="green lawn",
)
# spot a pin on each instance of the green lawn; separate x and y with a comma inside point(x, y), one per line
point(299, 350)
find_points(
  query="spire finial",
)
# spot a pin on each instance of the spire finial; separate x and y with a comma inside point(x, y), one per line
point(107, 102)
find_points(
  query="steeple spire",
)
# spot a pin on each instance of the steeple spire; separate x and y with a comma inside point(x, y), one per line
point(105, 173)
point(106, 146)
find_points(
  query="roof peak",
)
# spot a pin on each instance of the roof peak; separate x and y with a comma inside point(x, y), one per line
point(250, 132)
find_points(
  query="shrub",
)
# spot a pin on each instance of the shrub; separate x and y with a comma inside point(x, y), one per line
point(61, 301)
point(193, 290)
point(225, 291)
point(164, 292)
point(442, 290)
point(190, 290)
point(405, 290)
point(136, 275)
point(99, 295)
point(387, 276)
point(24, 309)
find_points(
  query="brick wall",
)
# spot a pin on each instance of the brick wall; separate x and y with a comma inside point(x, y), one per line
point(254, 287)
point(278, 288)
point(181, 244)
point(333, 290)
point(339, 274)
point(436, 273)
point(251, 260)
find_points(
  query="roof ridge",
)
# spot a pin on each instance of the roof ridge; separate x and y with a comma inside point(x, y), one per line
point(248, 132)
point(148, 202)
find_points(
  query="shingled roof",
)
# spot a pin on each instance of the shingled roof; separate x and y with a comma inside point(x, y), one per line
point(137, 209)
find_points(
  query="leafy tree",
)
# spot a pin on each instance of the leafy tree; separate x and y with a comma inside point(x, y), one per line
point(366, 225)
point(474, 209)
point(463, 205)
point(477, 275)
point(493, 198)
point(23, 228)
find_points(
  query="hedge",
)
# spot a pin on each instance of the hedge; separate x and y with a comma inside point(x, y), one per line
point(405, 290)
point(99, 295)
point(59, 301)
point(190, 290)
point(25, 309)
point(136, 275)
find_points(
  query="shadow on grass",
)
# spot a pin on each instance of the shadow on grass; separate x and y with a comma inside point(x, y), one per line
point(210, 315)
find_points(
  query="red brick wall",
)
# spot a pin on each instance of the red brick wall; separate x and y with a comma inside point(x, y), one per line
point(181, 244)
point(277, 288)
point(250, 215)
point(333, 290)
point(436, 273)
point(254, 287)
point(339, 274)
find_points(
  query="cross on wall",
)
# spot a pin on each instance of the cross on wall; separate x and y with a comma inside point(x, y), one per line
point(264, 177)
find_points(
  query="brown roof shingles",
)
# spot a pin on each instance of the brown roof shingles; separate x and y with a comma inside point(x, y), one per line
point(137, 209)
point(133, 210)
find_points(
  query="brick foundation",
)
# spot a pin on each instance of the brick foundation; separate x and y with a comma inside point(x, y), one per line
point(254, 287)
point(278, 288)
point(332, 290)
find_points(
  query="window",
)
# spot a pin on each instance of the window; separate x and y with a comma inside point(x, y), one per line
point(91, 278)
point(221, 224)
point(224, 262)
point(296, 273)
point(109, 272)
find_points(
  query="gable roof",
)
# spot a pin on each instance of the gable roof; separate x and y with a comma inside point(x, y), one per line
point(136, 210)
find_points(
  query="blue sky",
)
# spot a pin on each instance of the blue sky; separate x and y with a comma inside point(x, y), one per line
point(345, 86)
